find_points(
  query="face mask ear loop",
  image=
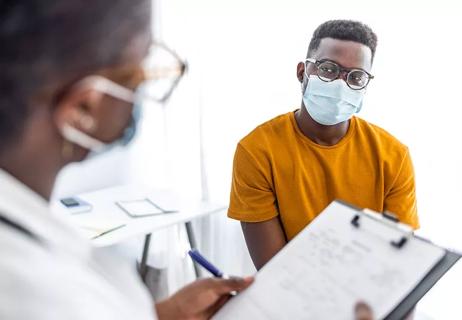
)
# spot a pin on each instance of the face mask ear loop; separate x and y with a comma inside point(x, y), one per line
point(81, 139)
point(108, 87)
point(305, 76)
point(302, 85)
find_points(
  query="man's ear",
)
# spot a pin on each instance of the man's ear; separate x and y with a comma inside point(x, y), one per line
point(78, 108)
point(300, 71)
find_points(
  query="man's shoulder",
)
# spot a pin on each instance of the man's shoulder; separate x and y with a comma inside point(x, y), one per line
point(268, 132)
point(380, 136)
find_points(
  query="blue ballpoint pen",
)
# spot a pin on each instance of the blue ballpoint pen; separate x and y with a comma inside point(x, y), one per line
point(203, 262)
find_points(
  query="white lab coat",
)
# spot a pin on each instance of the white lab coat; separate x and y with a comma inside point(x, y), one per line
point(61, 276)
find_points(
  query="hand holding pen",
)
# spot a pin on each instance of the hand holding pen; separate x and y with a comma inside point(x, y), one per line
point(198, 258)
point(201, 299)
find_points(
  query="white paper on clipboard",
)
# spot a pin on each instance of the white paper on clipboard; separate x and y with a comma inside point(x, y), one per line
point(330, 266)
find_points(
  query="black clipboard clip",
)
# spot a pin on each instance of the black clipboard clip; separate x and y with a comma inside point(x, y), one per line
point(391, 219)
point(355, 221)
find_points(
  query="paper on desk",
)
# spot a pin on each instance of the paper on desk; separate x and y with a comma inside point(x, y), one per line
point(142, 208)
point(331, 265)
point(94, 228)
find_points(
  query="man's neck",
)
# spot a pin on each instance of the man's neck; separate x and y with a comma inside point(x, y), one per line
point(318, 133)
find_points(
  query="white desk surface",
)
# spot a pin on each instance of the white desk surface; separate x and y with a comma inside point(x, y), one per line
point(105, 208)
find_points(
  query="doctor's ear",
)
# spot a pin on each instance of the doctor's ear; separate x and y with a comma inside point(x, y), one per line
point(79, 108)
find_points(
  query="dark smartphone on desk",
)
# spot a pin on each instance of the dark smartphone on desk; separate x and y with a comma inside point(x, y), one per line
point(76, 205)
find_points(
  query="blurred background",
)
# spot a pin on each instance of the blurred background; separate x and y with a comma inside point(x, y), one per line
point(242, 58)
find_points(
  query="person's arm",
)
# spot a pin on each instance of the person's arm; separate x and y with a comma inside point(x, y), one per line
point(200, 299)
point(264, 240)
point(254, 202)
point(400, 199)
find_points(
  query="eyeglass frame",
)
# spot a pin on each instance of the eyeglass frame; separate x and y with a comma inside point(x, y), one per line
point(183, 66)
point(341, 70)
point(122, 92)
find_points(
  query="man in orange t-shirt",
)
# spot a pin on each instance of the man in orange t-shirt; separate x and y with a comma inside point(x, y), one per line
point(290, 168)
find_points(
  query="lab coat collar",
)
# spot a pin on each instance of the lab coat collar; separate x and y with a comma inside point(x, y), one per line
point(25, 207)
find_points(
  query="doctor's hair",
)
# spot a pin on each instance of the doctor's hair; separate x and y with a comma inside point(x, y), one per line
point(344, 30)
point(48, 44)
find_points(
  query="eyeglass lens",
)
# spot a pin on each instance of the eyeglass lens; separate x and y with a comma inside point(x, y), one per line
point(329, 71)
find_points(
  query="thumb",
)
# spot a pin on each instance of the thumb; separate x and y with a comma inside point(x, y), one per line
point(363, 312)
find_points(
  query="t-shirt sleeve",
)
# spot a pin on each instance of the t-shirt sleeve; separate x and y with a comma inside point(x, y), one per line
point(252, 197)
point(401, 198)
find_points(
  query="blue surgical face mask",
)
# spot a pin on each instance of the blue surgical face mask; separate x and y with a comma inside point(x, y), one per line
point(330, 103)
point(110, 88)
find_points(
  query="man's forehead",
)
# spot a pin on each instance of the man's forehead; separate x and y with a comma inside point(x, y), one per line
point(349, 54)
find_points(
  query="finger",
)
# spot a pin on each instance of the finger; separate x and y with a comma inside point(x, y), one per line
point(363, 311)
point(224, 286)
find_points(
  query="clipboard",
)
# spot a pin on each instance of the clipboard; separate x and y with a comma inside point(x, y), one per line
point(405, 307)
point(437, 272)
point(313, 277)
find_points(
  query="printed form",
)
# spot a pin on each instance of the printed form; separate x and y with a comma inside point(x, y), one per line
point(330, 266)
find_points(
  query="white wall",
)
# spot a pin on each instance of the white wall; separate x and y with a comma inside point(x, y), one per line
point(245, 54)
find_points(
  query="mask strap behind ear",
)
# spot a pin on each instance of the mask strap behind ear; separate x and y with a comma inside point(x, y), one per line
point(81, 139)
point(108, 87)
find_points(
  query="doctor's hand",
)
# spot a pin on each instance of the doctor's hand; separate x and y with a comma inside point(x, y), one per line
point(200, 299)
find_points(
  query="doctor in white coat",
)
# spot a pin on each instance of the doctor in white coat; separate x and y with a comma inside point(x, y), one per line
point(69, 70)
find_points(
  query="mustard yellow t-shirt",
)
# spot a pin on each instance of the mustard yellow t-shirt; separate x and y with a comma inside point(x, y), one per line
point(279, 171)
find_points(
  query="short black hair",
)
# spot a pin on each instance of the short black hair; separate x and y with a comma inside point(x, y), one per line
point(344, 30)
point(46, 43)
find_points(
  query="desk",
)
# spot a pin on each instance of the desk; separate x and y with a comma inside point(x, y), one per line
point(105, 208)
